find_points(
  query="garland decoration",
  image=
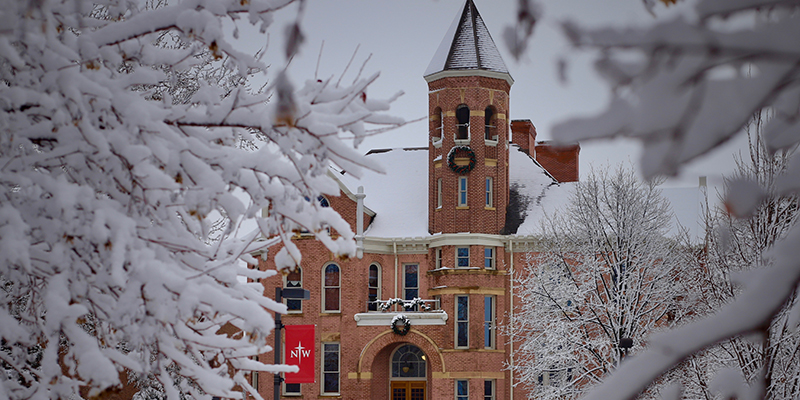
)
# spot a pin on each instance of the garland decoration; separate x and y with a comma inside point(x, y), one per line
point(406, 304)
point(460, 152)
point(398, 320)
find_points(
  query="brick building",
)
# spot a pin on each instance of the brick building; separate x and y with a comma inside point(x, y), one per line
point(441, 225)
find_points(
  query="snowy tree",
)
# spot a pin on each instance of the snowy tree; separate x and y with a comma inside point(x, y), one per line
point(606, 273)
point(734, 246)
point(132, 151)
point(683, 87)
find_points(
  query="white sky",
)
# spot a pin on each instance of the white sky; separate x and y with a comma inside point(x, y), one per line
point(402, 37)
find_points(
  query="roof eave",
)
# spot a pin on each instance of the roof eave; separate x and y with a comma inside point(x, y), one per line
point(469, 72)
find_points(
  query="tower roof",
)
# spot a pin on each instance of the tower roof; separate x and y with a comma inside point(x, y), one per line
point(467, 49)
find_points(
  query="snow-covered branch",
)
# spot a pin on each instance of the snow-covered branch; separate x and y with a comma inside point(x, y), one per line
point(131, 153)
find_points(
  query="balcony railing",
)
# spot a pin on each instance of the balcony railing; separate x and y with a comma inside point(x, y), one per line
point(419, 312)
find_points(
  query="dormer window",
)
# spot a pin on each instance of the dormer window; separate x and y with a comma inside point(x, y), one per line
point(490, 123)
point(462, 122)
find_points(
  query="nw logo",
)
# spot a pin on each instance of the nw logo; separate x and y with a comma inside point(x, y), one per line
point(299, 352)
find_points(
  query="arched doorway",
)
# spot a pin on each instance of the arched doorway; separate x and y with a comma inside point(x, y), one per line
point(409, 373)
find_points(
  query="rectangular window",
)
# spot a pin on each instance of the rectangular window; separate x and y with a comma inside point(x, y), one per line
point(488, 257)
point(438, 257)
point(489, 192)
point(291, 389)
point(439, 193)
point(462, 321)
point(488, 322)
point(462, 257)
point(411, 282)
point(462, 191)
point(462, 390)
point(330, 368)
point(488, 390)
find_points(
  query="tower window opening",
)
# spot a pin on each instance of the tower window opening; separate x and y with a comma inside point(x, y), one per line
point(462, 122)
point(490, 123)
point(438, 124)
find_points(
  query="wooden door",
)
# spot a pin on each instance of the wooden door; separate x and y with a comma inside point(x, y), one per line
point(408, 390)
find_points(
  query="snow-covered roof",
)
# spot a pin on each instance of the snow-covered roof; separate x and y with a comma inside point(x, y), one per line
point(467, 45)
point(400, 197)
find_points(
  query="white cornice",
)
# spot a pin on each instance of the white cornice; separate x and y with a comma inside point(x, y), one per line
point(385, 318)
point(469, 72)
point(420, 245)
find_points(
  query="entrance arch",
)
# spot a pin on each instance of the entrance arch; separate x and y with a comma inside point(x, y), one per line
point(409, 373)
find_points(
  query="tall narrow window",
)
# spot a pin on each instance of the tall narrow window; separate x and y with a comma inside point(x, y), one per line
point(438, 257)
point(462, 257)
point(331, 287)
point(374, 287)
point(462, 390)
point(462, 191)
point(462, 122)
point(462, 321)
point(488, 322)
point(411, 281)
point(439, 193)
point(488, 258)
point(488, 389)
point(330, 368)
point(490, 124)
point(489, 192)
point(294, 280)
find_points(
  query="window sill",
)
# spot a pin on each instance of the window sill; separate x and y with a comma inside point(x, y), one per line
point(293, 314)
point(330, 313)
point(462, 208)
point(462, 142)
point(490, 208)
point(489, 142)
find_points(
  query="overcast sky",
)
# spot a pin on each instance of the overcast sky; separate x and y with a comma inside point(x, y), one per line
point(401, 37)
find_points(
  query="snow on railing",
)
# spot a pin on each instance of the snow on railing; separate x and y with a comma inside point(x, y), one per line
point(400, 305)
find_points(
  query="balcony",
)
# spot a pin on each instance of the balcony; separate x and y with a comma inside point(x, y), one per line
point(418, 311)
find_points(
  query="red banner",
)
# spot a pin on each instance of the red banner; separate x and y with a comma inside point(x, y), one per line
point(300, 351)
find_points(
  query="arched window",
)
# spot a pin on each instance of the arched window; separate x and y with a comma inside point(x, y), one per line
point(330, 290)
point(294, 279)
point(462, 122)
point(490, 117)
point(374, 287)
point(408, 361)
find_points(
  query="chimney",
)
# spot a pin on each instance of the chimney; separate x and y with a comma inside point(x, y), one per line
point(523, 133)
point(561, 161)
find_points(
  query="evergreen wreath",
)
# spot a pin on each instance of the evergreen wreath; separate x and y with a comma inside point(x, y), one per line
point(461, 151)
point(401, 319)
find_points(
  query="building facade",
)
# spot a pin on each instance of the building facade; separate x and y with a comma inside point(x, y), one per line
point(443, 226)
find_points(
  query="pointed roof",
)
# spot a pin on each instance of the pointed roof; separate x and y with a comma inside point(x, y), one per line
point(467, 49)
